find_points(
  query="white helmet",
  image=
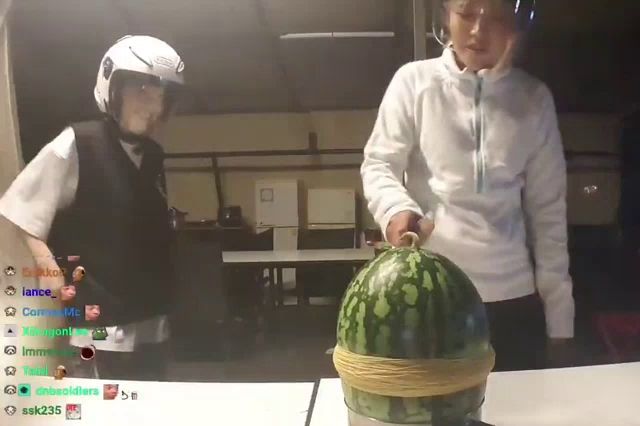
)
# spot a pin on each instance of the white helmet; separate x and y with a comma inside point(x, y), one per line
point(135, 57)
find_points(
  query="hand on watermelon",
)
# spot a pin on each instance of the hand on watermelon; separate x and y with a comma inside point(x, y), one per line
point(407, 221)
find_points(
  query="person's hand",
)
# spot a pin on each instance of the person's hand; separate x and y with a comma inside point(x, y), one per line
point(407, 221)
point(561, 353)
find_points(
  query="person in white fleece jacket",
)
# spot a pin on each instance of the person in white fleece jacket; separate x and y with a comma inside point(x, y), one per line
point(471, 145)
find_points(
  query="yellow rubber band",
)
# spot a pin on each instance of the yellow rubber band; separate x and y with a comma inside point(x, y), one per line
point(411, 378)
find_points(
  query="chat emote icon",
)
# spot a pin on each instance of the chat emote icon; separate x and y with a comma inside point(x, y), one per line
point(73, 412)
point(10, 410)
point(60, 372)
point(87, 353)
point(10, 350)
point(78, 274)
point(9, 271)
point(99, 333)
point(10, 390)
point(10, 311)
point(10, 291)
point(10, 371)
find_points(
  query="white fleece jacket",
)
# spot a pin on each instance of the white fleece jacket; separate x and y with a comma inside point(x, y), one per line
point(482, 156)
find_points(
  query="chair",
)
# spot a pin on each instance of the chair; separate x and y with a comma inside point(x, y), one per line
point(327, 280)
point(620, 333)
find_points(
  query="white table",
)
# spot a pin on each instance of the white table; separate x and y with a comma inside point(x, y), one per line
point(274, 261)
point(606, 395)
point(170, 404)
point(291, 258)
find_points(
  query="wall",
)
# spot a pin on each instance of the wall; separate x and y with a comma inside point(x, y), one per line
point(194, 191)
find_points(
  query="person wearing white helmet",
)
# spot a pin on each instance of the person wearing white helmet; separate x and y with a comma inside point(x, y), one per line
point(97, 191)
point(144, 64)
point(466, 151)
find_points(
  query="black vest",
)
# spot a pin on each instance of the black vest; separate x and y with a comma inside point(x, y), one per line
point(119, 226)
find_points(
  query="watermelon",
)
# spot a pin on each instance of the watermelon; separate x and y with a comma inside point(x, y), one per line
point(410, 303)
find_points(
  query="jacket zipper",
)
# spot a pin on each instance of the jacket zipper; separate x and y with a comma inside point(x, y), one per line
point(480, 167)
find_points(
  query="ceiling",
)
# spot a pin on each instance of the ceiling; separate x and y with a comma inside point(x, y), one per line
point(235, 60)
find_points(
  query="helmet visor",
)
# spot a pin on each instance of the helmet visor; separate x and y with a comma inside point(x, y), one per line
point(145, 85)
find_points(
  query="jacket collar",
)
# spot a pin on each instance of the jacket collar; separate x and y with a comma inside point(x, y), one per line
point(453, 70)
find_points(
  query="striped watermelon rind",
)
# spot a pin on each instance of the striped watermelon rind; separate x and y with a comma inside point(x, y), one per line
point(410, 303)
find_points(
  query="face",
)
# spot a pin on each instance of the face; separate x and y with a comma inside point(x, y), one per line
point(91, 312)
point(480, 31)
point(142, 108)
point(110, 391)
point(67, 292)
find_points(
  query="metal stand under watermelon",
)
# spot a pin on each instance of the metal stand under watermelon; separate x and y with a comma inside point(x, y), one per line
point(356, 419)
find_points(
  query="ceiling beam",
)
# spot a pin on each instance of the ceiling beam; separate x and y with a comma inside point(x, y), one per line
point(361, 106)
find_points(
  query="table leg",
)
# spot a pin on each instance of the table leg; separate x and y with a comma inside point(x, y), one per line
point(279, 286)
point(272, 288)
point(300, 293)
point(270, 318)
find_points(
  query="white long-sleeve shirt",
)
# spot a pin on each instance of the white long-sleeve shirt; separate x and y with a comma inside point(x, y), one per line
point(47, 185)
point(483, 158)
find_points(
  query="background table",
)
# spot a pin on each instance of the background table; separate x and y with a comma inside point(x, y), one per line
point(606, 395)
point(170, 404)
point(291, 258)
point(274, 261)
